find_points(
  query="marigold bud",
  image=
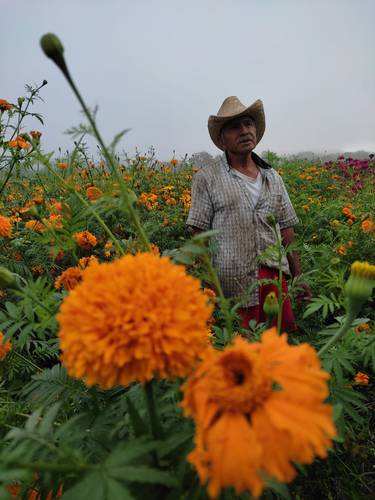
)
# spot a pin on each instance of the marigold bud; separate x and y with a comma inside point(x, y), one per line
point(54, 49)
point(20, 101)
point(7, 278)
point(271, 305)
point(359, 286)
point(271, 219)
point(33, 212)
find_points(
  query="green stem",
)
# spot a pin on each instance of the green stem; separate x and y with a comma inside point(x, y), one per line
point(27, 361)
point(340, 333)
point(133, 214)
point(222, 300)
point(154, 422)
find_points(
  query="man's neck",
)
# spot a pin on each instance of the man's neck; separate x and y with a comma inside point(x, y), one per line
point(243, 163)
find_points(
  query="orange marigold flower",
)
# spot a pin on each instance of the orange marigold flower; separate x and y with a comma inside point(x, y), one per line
point(258, 408)
point(361, 378)
point(5, 105)
point(85, 240)
point(368, 226)
point(346, 211)
point(108, 248)
point(363, 327)
point(19, 142)
point(36, 135)
point(69, 278)
point(93, 193)
point(4, 347)
point(35, 225)
point(38, 270)
point(132, 319)
point(5, 227)
point(88, 261)
point(62, 165)
point(56, 255)
point(341, 249)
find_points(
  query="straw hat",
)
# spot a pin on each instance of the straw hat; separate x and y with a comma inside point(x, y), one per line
point(232, 108)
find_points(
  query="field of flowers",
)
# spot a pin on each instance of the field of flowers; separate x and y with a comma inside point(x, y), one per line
point(124, 371)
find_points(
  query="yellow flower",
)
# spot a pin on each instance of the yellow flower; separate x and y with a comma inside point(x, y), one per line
point(131, 320)
point(258, 408)
point(5, 227)
point(85, 240)
point(4, 348)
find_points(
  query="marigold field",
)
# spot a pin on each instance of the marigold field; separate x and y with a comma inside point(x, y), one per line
point(126, 374)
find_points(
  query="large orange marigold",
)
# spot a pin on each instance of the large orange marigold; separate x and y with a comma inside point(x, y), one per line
point(5, 227)
point(258, 408)
point(4, 348)
point(131, 320)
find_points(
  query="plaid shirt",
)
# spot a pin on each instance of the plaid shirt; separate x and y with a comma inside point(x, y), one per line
point(220, 200)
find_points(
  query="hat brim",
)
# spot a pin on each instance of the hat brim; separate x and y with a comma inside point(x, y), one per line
point(256, 111)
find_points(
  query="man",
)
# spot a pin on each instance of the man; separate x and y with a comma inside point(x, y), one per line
point(235, 196)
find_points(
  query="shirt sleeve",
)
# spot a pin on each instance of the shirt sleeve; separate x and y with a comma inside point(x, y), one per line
point(201, 210)
point(287, 216)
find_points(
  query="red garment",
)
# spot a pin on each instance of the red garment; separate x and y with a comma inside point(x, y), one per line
point(288, 323)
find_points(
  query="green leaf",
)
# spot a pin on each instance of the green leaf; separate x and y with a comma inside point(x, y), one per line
point(124, 453)
point(139, 426)
point(115, 490)
point(91, 487)
point(143, 474)
point(46, 424)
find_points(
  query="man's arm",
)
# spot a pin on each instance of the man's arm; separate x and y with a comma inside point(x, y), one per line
point(288, 236)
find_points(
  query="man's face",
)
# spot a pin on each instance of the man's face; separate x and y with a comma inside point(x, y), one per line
point(239, 135)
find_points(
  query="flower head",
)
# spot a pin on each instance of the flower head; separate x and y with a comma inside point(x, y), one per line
point(258, 408)
point(4, 347)
point(62, 165)
point(5, 227)
point(93, 193)
point(19, 142)
point(5, 105)
point(85, 240)
point(132, 319)
point(69, 278)
point(361, 378)
point(36, 135)
point(368, 226)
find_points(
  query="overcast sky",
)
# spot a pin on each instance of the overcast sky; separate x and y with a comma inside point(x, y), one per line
point(161, 67)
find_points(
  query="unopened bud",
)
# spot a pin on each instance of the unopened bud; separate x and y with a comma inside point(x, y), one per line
point(271, 304)
point(20, 101)
point(53, 48)
point(33, 211)
point(271, 219)
point(7, 278)
point(359, 286)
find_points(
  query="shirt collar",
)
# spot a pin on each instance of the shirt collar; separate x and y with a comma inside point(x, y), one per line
point(264, 166)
